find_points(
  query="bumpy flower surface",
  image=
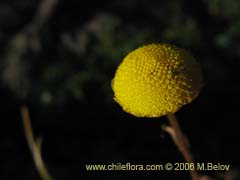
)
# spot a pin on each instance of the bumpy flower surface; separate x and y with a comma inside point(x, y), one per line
point(156, 79)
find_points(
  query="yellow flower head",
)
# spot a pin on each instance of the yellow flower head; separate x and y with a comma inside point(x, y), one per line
point(156, 79)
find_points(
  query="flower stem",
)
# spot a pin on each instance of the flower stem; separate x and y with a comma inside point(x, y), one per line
point(34, 146)
point(181, 141)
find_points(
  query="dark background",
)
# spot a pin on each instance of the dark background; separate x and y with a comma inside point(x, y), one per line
point(63, 68)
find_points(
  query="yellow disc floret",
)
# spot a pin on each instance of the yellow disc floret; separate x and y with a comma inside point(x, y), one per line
point(156, 79)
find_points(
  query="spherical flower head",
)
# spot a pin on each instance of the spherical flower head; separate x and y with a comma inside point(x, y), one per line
point(156, 79)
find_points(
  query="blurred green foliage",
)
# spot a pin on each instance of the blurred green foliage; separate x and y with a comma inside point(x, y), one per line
point(87, 55)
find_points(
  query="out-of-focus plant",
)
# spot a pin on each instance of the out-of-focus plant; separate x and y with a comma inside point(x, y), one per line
point(227, 12)
point(16, 77)
point(183, 32)
point(84, 57)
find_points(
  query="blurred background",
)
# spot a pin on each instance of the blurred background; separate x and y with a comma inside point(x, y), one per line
point(59, 57)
